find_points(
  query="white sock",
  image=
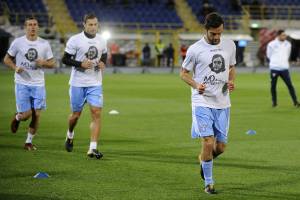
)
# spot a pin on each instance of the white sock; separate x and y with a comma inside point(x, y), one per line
point(93, 145)
point(70, 135)
point(29, 138)
point(17, 117)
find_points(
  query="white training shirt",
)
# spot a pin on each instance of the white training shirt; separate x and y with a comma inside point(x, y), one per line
point(278, 53)
point(210, 65)
point(25, 53)
point(83, 48)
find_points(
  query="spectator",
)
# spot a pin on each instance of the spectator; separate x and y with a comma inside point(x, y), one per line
point(170, 55)
point(159, 48)
point(183, 50)
point(146, 55)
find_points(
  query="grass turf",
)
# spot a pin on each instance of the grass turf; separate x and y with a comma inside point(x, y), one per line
point(148, 152)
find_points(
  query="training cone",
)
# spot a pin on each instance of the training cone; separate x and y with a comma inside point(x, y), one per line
point(41, 175)
point(251, 132)
point(113, 112)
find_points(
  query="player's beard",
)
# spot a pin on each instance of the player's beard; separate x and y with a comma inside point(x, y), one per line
point(213, 41)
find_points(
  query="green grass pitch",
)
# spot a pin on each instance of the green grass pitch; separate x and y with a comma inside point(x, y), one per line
point(148, 152)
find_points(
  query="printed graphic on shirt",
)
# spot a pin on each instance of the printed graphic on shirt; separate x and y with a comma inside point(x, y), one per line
point(92, 53)
point(217, 64)
point(31, 54)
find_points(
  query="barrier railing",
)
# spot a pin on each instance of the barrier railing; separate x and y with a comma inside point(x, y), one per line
point(278, 12)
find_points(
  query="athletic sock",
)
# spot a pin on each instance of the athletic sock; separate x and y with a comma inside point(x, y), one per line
point(29, 138)
point(17, 117)
point(93, 145)
point(70, 135)
point(207, 167)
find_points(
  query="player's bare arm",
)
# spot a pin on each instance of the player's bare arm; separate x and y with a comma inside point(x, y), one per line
point(186, 77)
point(231, 78)
point(50, 63)
point(9, 61)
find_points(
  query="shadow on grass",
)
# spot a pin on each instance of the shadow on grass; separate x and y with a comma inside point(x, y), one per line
point(7, 196)
point(261, 167)
point(262, 190)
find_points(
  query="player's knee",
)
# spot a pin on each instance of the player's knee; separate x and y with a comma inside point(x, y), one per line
point(75, 115)
point(26, 115)
point(36, 114)
point(220, 148)
point(96, 113)
point(208, 141)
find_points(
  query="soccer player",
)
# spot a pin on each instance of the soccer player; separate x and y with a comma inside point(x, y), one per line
point(211, 60)
point(278, 53)
point(27, 56)
point(86, 52)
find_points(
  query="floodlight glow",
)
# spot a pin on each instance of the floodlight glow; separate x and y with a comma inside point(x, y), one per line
point(106, 35)
point(254, 25)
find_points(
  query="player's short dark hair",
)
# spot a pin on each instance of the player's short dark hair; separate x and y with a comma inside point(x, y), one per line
point(89, 16)
point(213, 20)
point(29, 18)
point(280, 31)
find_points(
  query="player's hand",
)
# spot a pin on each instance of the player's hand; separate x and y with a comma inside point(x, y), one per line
point(40, 62)
point(101, 65)
point(87, 64)
point(201, 88)
point(19, 69)
point(230, 85)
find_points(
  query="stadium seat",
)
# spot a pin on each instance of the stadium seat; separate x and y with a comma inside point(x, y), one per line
point(20, 9)
point(156, 13)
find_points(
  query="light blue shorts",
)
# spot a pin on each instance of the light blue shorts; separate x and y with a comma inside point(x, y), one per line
point(28, 97)
point(80, 95)
point(210, 122)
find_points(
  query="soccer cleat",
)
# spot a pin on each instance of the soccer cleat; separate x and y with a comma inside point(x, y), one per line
point(210, 189)
point(14, 124)
point(94, 153)
point(29, 147)
point(274, 105)
point(69, 145)
point(297, 105)
point(201, 172)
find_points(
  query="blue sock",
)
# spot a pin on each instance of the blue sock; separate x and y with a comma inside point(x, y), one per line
point(207, 167)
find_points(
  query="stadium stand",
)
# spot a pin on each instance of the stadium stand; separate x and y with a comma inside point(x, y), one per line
point(20, 9)
point(152, 19)
point(231, 14)
point(143, 15)
point(273, 9)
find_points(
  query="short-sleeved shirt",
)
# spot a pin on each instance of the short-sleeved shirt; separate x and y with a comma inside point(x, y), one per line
point(83, 48)
point(210, 65)
point(26, 52)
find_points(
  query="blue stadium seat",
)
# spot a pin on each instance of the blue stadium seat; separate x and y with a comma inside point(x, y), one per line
point(20, 9)
point(223, 7)
point(133, 12)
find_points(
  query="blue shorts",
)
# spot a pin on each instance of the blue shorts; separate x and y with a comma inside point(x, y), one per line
point(79, 95)
point(210, 122)
point(28, 97)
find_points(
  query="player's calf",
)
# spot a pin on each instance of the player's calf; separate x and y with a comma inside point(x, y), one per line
point(15, 122)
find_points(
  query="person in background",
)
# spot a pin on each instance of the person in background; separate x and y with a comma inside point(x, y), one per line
point(278, 53)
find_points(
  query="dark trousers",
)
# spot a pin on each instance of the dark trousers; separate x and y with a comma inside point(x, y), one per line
point(285, 75)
